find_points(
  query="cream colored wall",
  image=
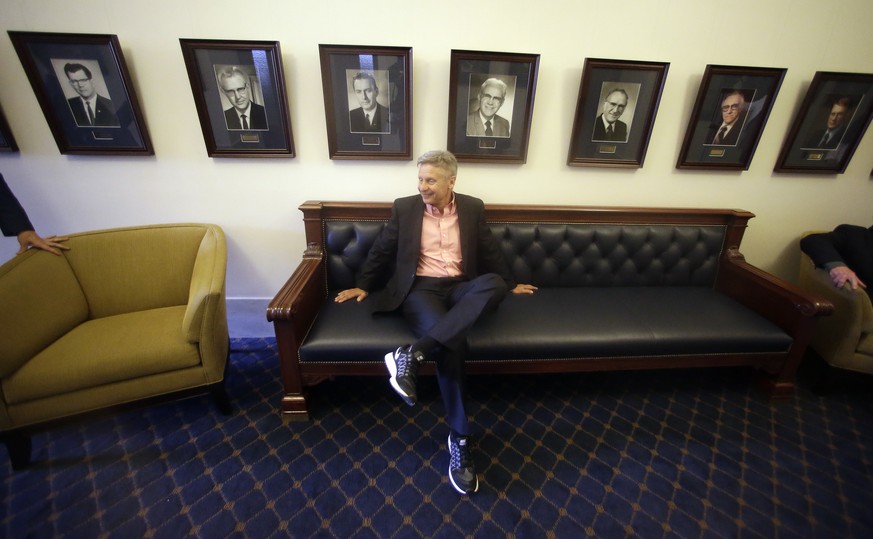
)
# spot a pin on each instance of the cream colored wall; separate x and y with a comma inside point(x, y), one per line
point(256, 200)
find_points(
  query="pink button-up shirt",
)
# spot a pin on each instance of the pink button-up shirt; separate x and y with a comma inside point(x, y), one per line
point(440, 242)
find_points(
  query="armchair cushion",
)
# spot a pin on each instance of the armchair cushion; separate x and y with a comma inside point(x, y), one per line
point(132, 345)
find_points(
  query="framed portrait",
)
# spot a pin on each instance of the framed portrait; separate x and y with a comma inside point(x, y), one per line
point(829, 125)
point(85, 91)
point(239, 92)
point(7, 141)
point(615, 112)
point(491, 97)
point(367, 101)
point(731, 109)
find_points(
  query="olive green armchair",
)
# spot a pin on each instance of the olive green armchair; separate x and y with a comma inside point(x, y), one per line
point(127, 315)
point(845, 339)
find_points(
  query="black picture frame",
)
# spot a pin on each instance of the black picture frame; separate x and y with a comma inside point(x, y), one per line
point(7, 141)
point(637, 85)
point(62, 67)
point(349, 71)
point(251, 73)
point(513, 73)
point(846, 99)
point(749, 94)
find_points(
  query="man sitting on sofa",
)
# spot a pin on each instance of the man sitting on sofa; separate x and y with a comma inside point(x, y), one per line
point(846, 253)
point(449, 271)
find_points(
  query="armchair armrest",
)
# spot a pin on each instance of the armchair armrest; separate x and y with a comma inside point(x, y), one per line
point(205, 320)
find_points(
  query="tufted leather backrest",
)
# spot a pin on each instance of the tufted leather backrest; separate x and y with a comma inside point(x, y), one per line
point(571, 254)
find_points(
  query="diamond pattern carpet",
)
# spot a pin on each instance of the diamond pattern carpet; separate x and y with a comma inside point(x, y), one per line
point(692, 454)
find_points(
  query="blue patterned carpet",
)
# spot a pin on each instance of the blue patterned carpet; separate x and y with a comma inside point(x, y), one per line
point(689, 454)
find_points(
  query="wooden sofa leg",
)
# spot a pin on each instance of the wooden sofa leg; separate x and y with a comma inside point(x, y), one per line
point(222, 399)
point(19, 447)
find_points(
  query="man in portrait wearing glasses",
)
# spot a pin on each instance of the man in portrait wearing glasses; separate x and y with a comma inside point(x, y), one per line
point(733, 116)
point(483, 121)
point(88, 108)
point(244, 114)
point(608, 127)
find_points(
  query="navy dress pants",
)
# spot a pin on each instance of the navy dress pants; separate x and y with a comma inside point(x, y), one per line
point(445, 309)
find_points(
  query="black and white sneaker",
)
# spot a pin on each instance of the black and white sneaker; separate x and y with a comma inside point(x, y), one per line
point(462, 472)
point(403, 367)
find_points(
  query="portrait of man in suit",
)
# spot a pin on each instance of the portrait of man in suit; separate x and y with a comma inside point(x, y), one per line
point(733, 107)
point(88, 107)
point(607, 126)
point(829, 136)
point(244, 114)
point(369, 116)
point(482, 117)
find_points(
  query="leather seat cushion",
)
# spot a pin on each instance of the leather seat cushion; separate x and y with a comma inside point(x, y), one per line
point(559, 323)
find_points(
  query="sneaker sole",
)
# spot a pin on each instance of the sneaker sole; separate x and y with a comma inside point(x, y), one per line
point(406, 398)
point(391, 364)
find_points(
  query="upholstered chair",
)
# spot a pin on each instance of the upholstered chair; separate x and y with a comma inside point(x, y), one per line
point(126, 316)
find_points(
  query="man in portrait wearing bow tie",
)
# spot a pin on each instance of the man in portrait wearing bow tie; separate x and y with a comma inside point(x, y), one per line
point(370, 117)
point(733, 115)
point(89, 109)
point(607, 126)
point(830, 136)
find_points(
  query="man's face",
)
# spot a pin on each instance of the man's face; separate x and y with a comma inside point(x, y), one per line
point(435, 185)
point(837, 116)
point(614, 106)
point(366, 92)
point(237, 91)
point(490, 100)
point(731, 108)
point(80, 82)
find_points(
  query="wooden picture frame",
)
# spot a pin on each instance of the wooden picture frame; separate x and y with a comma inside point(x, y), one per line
point(615, 112)
point(7, 141)
point(829, 125)
point(474, 77)
point(367, 101)
point(729, 115)
point(68, 70)
point(239, 92)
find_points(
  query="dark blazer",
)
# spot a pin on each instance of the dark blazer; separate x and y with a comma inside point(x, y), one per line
point(257, 118)
point(850, 245)
point(619, 131)
point(358, 124)
point(475, 127)
point(104, 112)
point(399, 246)
point(814, 141)
point(731, 138)
point(13, 219)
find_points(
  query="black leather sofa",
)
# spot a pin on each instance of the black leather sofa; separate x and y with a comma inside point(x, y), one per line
point(619, 288)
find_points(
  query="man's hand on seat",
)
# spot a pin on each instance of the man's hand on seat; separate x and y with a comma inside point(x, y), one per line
point(524, 289)
point(351, 293)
